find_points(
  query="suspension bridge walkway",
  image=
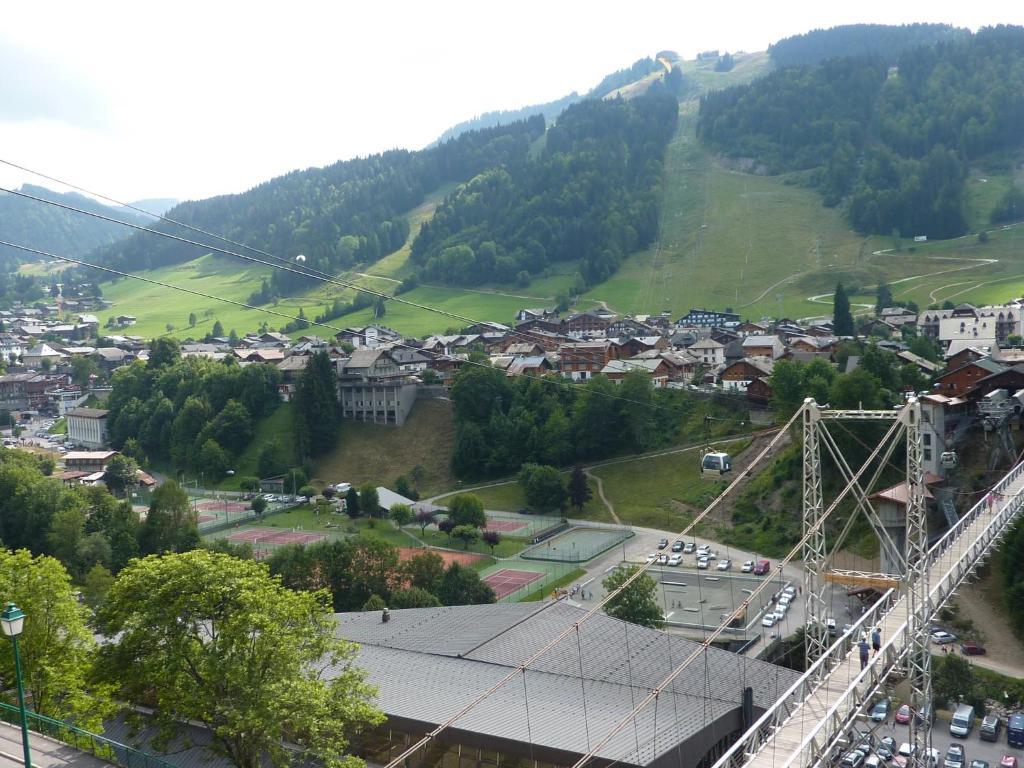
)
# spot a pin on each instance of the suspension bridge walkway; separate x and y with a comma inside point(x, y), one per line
point(809, 718)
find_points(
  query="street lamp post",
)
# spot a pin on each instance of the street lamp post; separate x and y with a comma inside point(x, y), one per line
point(13, 621)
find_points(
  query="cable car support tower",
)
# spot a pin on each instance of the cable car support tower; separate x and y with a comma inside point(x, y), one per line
point(909, 556)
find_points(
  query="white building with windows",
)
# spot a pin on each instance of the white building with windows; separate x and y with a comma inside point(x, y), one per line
point(87, 427)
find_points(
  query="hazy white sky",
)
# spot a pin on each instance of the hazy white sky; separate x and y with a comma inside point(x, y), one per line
point(192, 99)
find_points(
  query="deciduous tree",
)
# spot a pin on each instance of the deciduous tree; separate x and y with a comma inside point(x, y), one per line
point(467, 509)
point(217, 640)
point(636, 603)
point(57, 647)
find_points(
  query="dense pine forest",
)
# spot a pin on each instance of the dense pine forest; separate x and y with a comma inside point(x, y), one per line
point(892, 144)
point(591, 195)
point(347, 213)
point(880, 40)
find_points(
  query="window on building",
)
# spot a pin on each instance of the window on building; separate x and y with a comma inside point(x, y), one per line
point(927, 454)
point(927, 438)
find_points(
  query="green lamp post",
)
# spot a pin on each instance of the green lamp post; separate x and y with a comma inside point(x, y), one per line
point(12, 620)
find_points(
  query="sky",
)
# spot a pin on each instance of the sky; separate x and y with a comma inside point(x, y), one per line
point(194, 99)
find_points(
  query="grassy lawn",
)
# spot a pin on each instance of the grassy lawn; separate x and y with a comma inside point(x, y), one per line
point(642, 490)
point(506, 547)
point(509, 497)
point(380, 453)
point(222, 276)
point(60, 427)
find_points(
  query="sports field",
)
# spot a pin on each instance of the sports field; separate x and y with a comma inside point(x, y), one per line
point(265, 540)
point(509, 580)
point(577, 544)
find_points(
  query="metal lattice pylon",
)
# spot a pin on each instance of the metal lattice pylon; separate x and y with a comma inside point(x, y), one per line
point(919, 657)
point(816, 639)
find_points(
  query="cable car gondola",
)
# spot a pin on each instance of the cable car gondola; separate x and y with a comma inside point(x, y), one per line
point(715, 463)
point(948, 460)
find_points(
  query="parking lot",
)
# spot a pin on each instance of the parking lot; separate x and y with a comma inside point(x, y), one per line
point(974, 747)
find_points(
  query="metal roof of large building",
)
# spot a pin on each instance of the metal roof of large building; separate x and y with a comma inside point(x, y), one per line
point(428, 663)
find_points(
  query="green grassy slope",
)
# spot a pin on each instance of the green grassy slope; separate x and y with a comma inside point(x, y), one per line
point(760, 245)
point(380, 454)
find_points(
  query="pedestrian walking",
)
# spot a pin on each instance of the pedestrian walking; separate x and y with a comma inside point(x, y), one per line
point(876, 640)
point(864, 649)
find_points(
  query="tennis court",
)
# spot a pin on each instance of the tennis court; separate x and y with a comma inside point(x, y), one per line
point(449, 557)
point(520, 526)
point(266, 536)
point(508, 580)
point(216, 505)
point(577, 544)
point(504, 526)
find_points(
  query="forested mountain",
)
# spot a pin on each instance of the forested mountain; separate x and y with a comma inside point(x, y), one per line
point(892, 145)
point(549, 111)
point(337, 216)
point(53, 229)
point(593, 194)
point(158, 206)
point(552, 109)
point(879, 40)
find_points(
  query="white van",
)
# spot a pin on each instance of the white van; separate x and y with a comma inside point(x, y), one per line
point(963, 721)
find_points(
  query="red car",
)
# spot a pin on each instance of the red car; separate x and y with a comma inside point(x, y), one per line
point(1008, 761)
point(903, 714)
point(972, 649)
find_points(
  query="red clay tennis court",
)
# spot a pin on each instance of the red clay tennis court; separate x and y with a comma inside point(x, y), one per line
point(508, 580)
point(265, 536)
point(206, 518)
point(503, 525)
point(462, 558)
point(222, 506)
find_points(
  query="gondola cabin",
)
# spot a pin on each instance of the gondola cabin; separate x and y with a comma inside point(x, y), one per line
point(716, 464)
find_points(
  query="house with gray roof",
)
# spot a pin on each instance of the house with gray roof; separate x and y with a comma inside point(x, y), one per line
point(430, 663)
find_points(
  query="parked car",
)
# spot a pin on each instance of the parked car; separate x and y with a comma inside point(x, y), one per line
point(880, 712)
point(942, 637)
point(989, 729)
point(790, 590)
point(785, 599)
point(663, 543)
point(886, 747)
point(830, 627)
point(748, 566)
point(724, 564)
point(702, 563)
point(652, 557)
point(972, 649)
point(903, 714)
point(704, 549)
point(979, 763)
point(762, 567)
point(955, 756)
point(675, 560)
point(677, 546)
point(662, 559)
point(688, 548)
point(768, 620)
point(1009, 761)
point(852, 759)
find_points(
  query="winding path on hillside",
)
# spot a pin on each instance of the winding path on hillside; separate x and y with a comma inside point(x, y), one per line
point(604, 499)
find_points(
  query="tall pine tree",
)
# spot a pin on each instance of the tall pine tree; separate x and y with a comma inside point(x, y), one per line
point(317, 415)
point(842, 319)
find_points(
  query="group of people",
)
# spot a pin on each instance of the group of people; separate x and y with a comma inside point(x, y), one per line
point(865, 649)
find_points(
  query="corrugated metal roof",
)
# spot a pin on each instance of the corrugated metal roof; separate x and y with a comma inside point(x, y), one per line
point(429, 663)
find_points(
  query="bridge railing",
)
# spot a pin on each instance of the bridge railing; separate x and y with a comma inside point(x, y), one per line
point(766, 726)
point(92, 743)
point(826, 730)
point(944, 543)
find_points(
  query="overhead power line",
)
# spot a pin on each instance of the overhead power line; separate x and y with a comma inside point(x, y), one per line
point(285, 265)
